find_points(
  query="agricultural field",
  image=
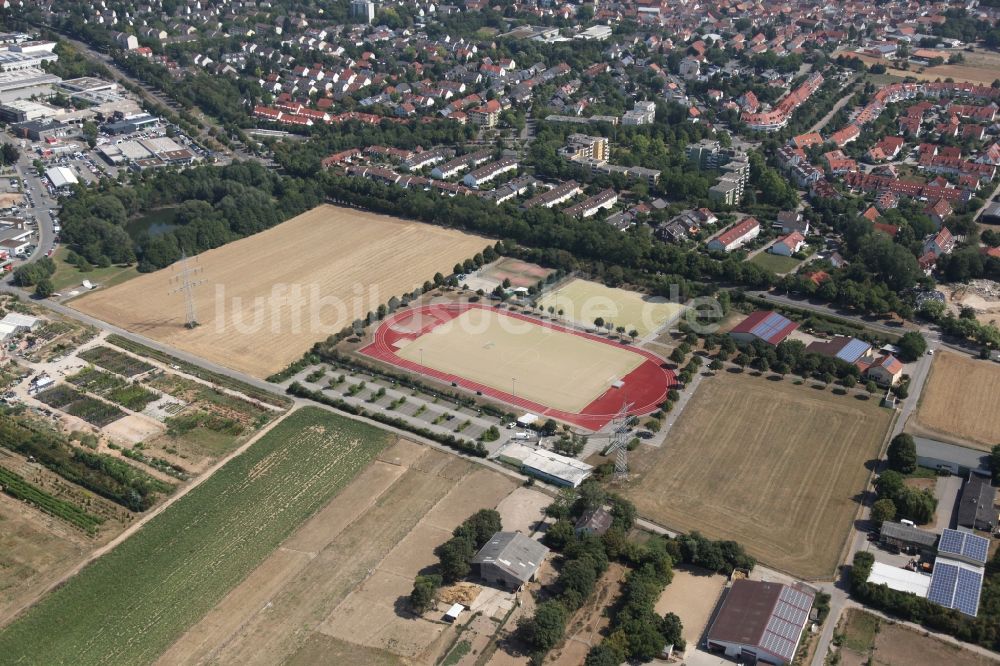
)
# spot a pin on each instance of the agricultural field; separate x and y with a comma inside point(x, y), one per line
point(115, 361)
point(980, 68)
point(131, 604)
point(336, 585)
point(67, 399)
point(868, 639)
point(582, 301)
point(285, 288)
point(959, 401)
point(112, 387)
point(774, 466)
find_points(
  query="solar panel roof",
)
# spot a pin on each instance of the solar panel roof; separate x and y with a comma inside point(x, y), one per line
point(956, 585)
point(770, 325)
point(853, 350)
point(969, 546)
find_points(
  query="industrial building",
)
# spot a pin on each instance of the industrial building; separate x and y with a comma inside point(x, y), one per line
point(548, 466)
point(509, 559)
point(61, 177)
point(761, 622)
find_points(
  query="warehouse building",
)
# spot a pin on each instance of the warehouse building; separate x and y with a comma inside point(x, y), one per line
point(509, 559)
point(761, 622)
point(61, 177)
point(548, 466)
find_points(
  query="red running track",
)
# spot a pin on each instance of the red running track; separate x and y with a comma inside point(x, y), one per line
point(646, 386)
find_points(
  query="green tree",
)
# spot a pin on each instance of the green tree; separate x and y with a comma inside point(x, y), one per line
point(995, 463)
point(9, 154)
point(607, 653)
point(44, 288)
point(902, 453)
point(454, 556)
point(673, 631)
point(883, 510)
point(911, 346)
point(424, 589)
point(545, 629)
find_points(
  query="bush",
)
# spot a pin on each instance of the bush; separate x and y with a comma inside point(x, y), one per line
point(545, 629)
point(424, 589)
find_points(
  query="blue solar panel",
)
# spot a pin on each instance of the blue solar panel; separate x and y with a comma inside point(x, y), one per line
point(976, 547)
point(942, 590)
point(853, 350)
point(769, 325)
point(956, 586)
point(969, 546)
point(970, 583)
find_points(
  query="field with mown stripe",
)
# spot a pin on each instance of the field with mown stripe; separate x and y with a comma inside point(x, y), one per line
point(128, 606)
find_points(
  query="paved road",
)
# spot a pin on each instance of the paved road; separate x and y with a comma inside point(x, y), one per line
point(838, 590)
point(43, 204)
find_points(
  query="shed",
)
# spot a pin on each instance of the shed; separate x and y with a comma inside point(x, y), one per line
point(896, 578)
point(454, 612)
point(907, 537)
point(526, 420)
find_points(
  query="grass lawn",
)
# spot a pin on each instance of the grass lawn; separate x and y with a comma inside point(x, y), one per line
point(860, 630)
point(774, 262)
point(68, 276)
point(131, 604)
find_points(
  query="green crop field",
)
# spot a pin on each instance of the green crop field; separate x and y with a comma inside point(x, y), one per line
point(132, 603)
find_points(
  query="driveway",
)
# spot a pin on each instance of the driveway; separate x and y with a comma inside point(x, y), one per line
point(946, 491)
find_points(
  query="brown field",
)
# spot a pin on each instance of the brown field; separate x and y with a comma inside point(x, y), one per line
point(337, 586)
point(264, 300)
point(520, 273)
point(980, 68)
point(897, 645)
point(771, 465)
point(959, 400)
point(586, 626)
point(35, 549)
point(692, 595)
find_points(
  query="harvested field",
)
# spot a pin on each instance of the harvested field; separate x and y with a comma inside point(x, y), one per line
point(583, 301)
point(772, 465)
point(339, 582)
point(979, 68)
point(692, 595)
point(285, 288)
point(891, 644)
point(959, 400)
point(132, 603)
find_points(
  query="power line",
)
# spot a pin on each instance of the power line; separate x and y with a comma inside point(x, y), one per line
point(187, 285)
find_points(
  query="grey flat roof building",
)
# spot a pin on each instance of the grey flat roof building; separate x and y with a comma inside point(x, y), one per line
point(956, 459)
